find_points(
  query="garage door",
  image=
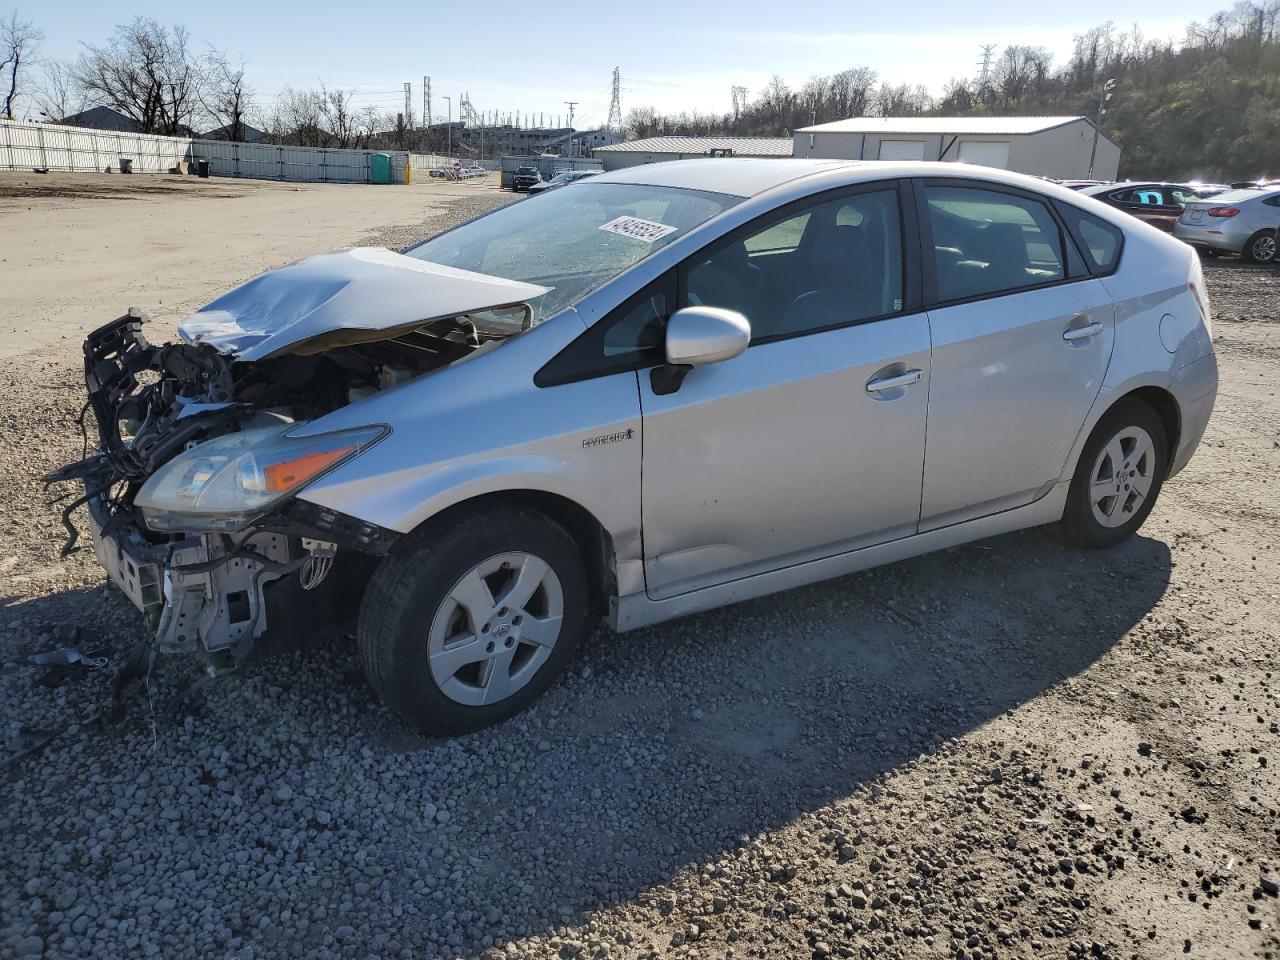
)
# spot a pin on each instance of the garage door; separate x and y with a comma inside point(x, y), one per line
point(986, 153)
point(901, 149)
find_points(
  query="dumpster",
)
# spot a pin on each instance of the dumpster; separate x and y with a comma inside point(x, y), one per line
point(380, 168)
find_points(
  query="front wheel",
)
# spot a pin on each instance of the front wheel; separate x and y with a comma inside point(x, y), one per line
point(1118, 478)
point(470, 620)
point(1261, 247)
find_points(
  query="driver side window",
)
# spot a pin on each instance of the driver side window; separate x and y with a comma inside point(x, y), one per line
point(827, 265)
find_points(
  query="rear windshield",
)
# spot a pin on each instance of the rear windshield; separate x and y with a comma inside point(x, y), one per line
point(573, 240)
point(1248, 193)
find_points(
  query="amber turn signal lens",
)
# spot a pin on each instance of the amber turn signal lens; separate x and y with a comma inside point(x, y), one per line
point(289, 473)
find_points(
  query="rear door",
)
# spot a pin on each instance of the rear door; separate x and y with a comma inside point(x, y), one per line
point(1022, 336)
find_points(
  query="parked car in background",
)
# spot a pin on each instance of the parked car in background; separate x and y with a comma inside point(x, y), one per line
point(1159, 204)
point(469, 171)
point(1208, 189)
point(832, 365)
point(1238, 221)
point(1246, 184)
point(563, 178)
point(524, 178)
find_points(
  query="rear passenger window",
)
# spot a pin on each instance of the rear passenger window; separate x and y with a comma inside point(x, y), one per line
point(987, 242)
point(1100, 240)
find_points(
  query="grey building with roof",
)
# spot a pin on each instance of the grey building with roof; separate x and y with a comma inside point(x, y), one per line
point(1045, 146)
point(632, 153)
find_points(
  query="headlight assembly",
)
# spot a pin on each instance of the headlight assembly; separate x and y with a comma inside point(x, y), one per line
point(225, 483)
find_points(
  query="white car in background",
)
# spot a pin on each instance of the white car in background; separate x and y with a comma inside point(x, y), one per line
point(1241, 221)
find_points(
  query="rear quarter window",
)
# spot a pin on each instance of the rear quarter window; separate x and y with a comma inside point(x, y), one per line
point(1101, 242)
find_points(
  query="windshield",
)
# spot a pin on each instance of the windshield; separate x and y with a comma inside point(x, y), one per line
point(573, 240)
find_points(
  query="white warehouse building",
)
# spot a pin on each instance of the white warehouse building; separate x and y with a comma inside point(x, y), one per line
point(632, 153)
point(1057, 147)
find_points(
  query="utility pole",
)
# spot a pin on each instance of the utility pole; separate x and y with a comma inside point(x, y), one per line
point(426, 121)
point(1097, 127)
point(426, 98)
point(571, 104)
point(448, 148)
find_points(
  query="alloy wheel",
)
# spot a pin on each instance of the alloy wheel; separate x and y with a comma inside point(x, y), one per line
point(1122, 476)
point(1264, 248)
point(495, 628)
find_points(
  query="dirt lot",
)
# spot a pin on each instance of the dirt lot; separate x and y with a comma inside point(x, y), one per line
point(84, 247)
point(1010, 749)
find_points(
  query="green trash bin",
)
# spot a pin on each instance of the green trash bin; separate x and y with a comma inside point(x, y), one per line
point(380, 168)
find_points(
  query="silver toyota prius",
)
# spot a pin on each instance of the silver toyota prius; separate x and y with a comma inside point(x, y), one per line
point(670, 388)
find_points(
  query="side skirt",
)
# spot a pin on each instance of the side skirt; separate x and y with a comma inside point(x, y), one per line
point(637, 610)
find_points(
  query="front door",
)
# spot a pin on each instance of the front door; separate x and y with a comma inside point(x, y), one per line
point(1020, 349)
point(810, 443)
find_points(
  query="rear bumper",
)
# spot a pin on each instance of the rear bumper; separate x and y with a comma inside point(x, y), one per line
point(1210, 236)
point(1195, 387)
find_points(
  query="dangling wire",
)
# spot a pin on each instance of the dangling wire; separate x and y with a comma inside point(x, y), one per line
point(314, 570)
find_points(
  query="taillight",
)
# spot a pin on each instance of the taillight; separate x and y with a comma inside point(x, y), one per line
point(1223, 211)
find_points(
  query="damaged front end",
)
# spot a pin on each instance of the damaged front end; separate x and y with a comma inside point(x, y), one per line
point(191, 485)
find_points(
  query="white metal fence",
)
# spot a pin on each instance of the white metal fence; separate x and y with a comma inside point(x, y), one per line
point(47, 146)
point(267, 161)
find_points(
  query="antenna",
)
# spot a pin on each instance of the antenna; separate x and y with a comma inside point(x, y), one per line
point(614, 123)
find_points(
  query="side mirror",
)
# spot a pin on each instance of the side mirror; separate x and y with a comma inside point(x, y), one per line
point(700, 335)
point(696, 336)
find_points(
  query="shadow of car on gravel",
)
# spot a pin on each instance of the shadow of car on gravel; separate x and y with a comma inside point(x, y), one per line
point(663, 749)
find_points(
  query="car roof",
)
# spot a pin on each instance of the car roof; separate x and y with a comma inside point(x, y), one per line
point(740, 176)
point(751, 176)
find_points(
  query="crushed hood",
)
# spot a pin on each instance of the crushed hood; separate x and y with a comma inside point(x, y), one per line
point(368, 293)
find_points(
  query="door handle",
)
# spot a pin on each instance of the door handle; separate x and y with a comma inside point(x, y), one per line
point(906, 379)
point(1079, 333)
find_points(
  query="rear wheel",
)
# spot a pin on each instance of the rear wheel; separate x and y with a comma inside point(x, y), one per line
point(1118, 478)
point(1261, 247)
point(470, 620)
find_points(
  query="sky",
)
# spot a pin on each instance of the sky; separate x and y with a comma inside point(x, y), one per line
point(532, 57)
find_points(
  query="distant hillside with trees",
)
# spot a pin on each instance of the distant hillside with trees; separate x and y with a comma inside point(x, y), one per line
point(1206, 106)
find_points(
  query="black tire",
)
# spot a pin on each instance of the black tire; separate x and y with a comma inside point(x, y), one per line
point(1261, 247)
point(414, 579)
point(1078, 518)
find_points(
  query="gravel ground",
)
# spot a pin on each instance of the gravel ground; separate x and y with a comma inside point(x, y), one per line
point(1008, 749)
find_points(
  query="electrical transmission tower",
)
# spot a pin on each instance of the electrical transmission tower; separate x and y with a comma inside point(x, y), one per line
point(614, 123)
point(408, 105)
point(984, 66)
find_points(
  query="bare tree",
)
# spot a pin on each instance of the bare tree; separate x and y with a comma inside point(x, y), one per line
point(19, 40)
point(338, 116)
point(57, 94)
point(146, 72)
point(301, 117)
point(851, 92)
point(224, 94)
